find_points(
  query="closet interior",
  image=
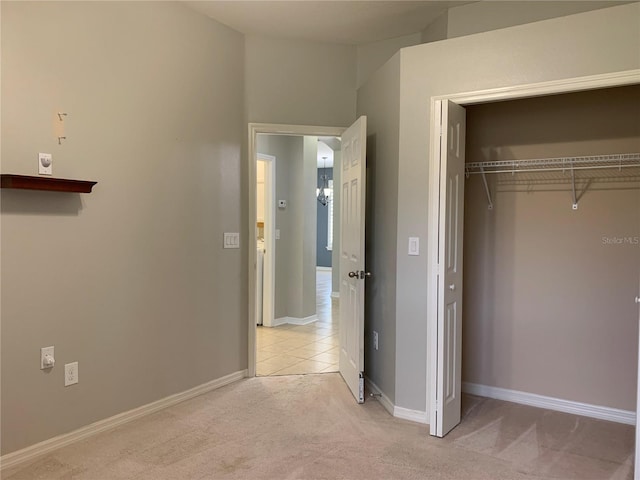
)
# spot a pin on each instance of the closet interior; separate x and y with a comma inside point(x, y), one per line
point(552, 246)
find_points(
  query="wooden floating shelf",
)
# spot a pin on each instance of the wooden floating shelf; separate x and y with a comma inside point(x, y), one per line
point(45, 183)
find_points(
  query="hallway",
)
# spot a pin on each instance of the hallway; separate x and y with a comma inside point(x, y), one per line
point(299, 349)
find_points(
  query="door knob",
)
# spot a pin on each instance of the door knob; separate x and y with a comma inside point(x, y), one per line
point(361, 274)
point(637, 299)
point(452, 287)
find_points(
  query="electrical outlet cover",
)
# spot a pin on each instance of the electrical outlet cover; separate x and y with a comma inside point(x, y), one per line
point(70, 374)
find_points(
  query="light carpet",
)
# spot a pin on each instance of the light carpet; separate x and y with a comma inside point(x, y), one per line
point(309, 427)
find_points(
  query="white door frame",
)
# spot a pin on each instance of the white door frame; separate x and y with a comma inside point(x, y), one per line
point(616, 79)
point(254, 130)
point(269, 270)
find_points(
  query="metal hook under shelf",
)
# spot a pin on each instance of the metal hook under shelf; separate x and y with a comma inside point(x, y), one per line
point(486, 189)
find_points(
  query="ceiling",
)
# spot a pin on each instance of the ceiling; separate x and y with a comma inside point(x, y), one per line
point(344, 22)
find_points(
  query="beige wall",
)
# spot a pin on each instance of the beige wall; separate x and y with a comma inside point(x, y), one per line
point(296, 163)
point(337, 208)
point(491, 15)
point(306, 212)
point(585, 44)
point(436, 30)
point(547, 305)
point(300, 83)
point(591, 43)
point(131, 281)
point(372, 56)
point(382, 207)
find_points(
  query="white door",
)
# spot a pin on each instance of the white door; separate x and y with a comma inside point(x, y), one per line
point(352, 274)
point(449, 335)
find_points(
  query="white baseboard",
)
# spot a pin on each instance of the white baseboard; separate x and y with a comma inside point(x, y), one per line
point(294, 320)
point(383, 399)
point(29, 453)
point(398, 412)
point(567, 406)
point(323, 269)
point(335, 294)
point(417, 416)
point(277, 322)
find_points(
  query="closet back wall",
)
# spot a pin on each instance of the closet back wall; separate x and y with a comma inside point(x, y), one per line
point(548, 299)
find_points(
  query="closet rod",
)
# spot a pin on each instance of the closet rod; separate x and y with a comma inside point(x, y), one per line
point(593, 162)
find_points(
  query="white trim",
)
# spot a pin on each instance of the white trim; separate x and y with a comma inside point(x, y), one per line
point(294, 320)
point(29, 453)
point(417, 416)
point(577, 408)
point(253, 130)
point(383, 399)
point(567, 85)
point(323, 269)
point(335, 294)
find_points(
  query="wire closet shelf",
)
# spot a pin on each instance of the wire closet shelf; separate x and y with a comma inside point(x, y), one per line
point(558, 164)
point(566, 165)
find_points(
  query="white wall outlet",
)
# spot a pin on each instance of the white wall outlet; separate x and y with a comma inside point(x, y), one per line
point(375, 340)
point(70, 374)
point(231, 240)
point(47, 359)
point(277, 234)
point(45, 164)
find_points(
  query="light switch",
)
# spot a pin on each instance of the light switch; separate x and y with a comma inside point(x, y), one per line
point(414, 246)
point(231, 240)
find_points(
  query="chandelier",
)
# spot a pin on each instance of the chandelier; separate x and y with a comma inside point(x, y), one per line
point(323, 198)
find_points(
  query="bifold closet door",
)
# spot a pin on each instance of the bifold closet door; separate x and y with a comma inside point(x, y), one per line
point(449, 349)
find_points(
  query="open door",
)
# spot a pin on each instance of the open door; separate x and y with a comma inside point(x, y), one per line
point(352, 274)
point(450, 242)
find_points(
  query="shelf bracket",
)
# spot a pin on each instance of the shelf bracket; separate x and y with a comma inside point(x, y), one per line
point(573, 188)
point(486, 188)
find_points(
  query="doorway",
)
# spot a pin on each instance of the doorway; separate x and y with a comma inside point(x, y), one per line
point(254, 131)
point(302, 335)
point(435, 213)
point(352, 273)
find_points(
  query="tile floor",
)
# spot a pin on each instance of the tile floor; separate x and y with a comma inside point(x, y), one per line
point(297, 349)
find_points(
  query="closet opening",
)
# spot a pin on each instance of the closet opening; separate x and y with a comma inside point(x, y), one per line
point(552, 255)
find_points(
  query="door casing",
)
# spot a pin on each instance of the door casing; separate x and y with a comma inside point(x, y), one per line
point(568, 85)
